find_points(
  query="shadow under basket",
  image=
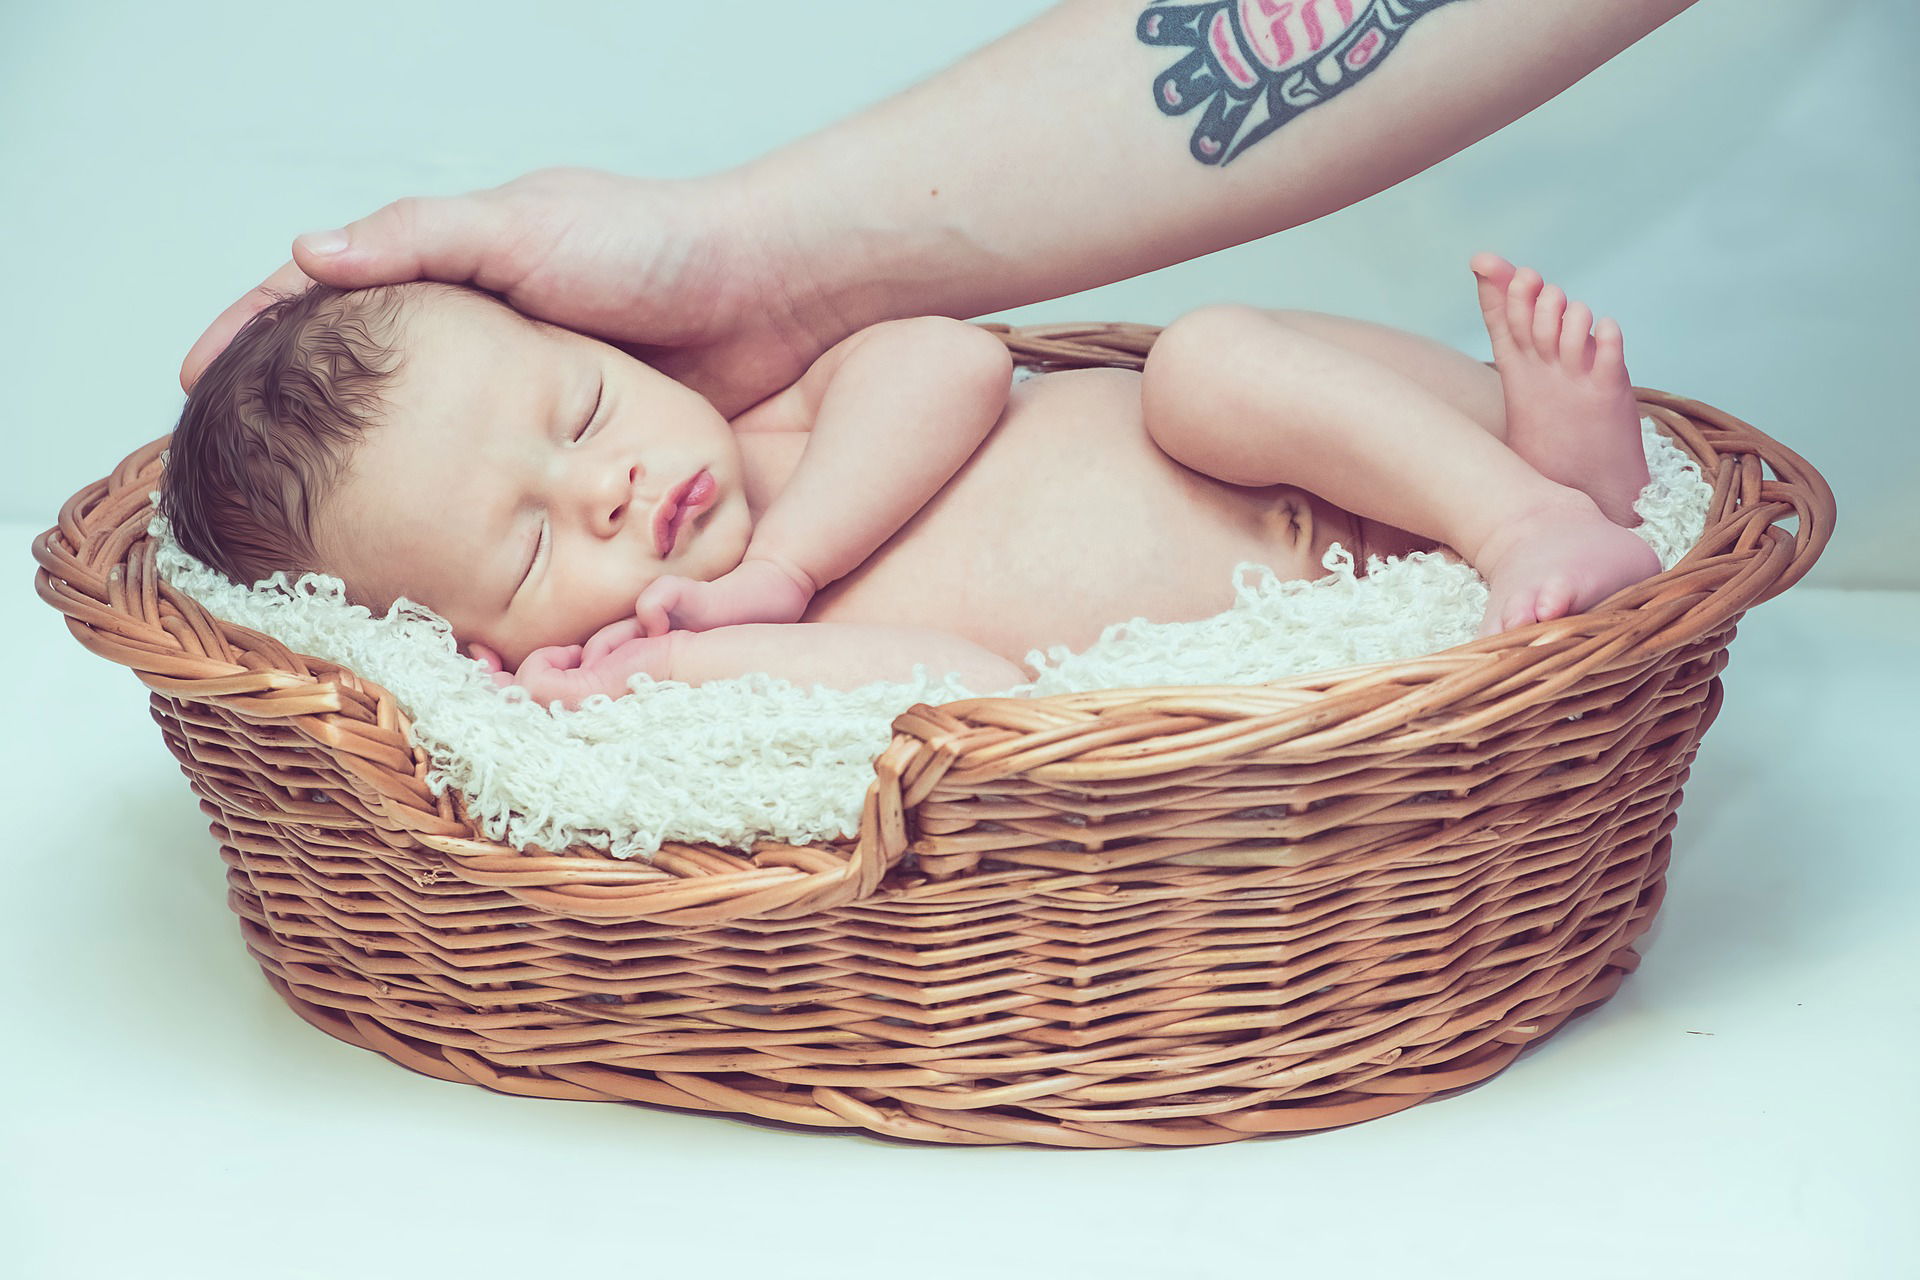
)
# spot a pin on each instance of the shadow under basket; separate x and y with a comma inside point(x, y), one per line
point(1129, 917)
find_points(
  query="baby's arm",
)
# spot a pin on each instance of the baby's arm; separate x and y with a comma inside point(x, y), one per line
point(836, 654)
point(840, 655)
point(905, 404)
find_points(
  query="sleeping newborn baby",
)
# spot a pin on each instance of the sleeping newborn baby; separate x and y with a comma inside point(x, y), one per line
point(579, 518)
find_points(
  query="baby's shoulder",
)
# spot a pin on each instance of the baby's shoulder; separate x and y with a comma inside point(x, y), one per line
point(783, 411)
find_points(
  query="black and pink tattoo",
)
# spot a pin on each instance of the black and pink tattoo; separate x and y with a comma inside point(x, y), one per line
point(1256, 64)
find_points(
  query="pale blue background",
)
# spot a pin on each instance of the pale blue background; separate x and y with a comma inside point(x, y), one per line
point(1740, 189)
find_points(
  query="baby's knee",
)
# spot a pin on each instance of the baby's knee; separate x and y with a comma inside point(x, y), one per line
point(1205, 332)
point(1225, 335)
point(1200, 364)
point(1181, 375)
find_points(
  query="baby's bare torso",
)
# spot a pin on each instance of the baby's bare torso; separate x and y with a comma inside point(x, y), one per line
point(1068, 518)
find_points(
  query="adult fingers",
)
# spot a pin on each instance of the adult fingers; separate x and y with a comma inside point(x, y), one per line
point(457, 239)
point(289, 279)
point(454, 238)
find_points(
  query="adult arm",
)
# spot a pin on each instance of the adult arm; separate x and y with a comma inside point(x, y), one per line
point(1049, 161)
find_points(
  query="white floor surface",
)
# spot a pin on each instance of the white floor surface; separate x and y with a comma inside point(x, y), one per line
point(1744, 1107)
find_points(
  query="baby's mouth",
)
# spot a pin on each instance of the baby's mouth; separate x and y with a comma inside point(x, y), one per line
point(686, 498)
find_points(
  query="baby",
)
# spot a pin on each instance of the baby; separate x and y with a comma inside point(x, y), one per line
point(579, 518)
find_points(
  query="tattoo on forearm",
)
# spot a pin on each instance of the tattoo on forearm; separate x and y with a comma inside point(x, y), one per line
point(1256, 64)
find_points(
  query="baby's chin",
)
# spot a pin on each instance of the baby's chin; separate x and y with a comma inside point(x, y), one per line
point(723, 542)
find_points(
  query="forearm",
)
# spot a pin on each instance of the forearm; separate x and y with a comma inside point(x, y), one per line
point(1041, 165)
point(837, 655)
point(900, 417)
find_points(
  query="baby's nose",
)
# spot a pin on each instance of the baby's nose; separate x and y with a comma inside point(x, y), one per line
point(619, 502)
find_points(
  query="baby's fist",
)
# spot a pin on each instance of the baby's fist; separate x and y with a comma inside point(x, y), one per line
point(754, 591)
point(570, 674)
point(665, 604)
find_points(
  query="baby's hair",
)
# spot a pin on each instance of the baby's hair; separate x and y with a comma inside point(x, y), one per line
point(268, 428)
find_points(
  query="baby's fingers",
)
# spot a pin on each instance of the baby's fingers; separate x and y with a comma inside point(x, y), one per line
point(550, 672)
point(609, 638)
point(652, 619)
point(555, 657)
point(486, 657)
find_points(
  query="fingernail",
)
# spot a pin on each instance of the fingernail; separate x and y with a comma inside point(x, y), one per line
point(323, 241)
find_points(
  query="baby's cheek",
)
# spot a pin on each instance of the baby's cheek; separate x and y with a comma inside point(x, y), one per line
point(731, 532)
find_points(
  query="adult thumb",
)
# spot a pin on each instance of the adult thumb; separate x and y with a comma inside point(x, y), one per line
point(456, 239)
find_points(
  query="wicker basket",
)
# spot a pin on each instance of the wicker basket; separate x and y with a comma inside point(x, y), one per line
point(1058, 923)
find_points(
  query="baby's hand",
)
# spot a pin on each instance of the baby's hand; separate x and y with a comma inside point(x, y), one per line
point(570, 674)
point(756, 591)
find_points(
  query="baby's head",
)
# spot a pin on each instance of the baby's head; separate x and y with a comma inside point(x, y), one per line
point(427, 441)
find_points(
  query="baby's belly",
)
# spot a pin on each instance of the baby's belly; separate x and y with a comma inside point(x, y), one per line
point(1069, 518)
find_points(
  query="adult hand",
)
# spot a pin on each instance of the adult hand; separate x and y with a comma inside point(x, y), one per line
point(948, 200)
point(694, 276)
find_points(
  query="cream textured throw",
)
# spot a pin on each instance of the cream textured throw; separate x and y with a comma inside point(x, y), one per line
point(733, 761)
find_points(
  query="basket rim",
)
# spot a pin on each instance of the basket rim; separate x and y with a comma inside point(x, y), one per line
point(96, 566)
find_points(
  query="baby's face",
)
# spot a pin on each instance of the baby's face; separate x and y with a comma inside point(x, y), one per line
point(515, 484)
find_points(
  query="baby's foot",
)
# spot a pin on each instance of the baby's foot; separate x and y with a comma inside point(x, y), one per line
point(1560, 558)
point(1570, 407)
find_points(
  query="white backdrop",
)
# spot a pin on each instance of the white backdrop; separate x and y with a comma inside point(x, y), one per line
point(1740, 189)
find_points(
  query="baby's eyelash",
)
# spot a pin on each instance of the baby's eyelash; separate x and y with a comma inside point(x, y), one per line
point(539, 545)
point(592, 416)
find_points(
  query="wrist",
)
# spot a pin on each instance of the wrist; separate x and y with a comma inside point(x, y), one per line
point(783, 571)
point(855, 256)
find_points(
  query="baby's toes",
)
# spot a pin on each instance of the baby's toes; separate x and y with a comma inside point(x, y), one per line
point(1576, 339)
point(1523, 293)
point(1547, 315)
point(1553, 600)
point(1492, 268)
point(1505, 612)
point(1491, 275)
point(1520, 610)
point(1609, 356)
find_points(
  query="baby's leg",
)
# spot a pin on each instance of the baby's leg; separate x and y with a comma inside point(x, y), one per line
point(1453, 376)
point(1561, 399)
point(1570, 407)
point(1232, 392)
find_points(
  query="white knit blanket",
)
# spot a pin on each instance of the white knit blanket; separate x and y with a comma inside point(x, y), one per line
point(733, 761)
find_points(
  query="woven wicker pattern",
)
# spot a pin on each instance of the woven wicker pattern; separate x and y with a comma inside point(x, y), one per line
point(1148, 916)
